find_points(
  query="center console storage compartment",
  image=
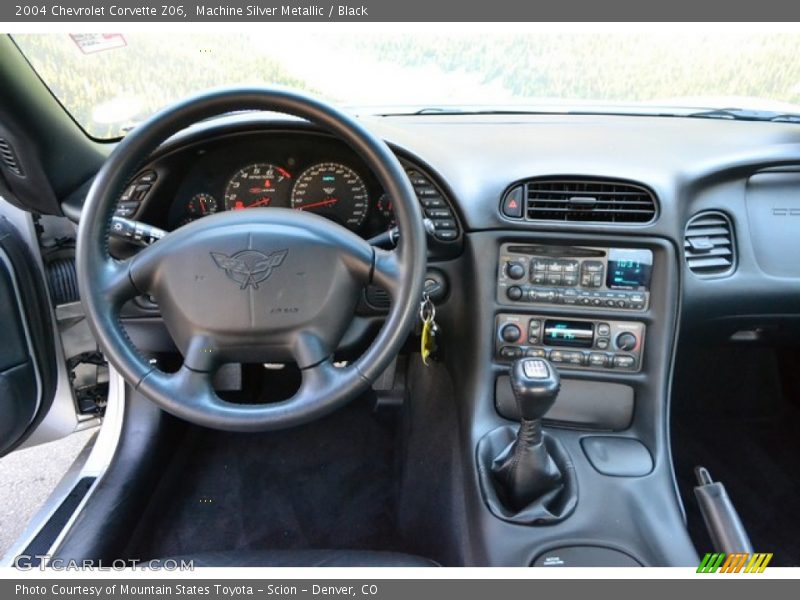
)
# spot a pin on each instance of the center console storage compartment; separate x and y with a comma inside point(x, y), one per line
point(585, 404)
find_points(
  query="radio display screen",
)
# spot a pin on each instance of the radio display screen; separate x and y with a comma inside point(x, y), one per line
point(629, 269)
point(578, 334)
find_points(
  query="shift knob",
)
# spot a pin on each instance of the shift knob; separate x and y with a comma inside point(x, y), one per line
point(535, 384)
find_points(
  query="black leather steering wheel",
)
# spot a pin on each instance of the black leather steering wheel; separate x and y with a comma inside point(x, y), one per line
point(259, 285)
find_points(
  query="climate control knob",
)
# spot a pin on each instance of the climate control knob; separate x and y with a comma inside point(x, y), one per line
point(515, 270)
point(514, 292)
point(510, 333)
point(626, 341)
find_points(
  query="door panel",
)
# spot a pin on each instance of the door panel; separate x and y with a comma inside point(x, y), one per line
point(27, 357)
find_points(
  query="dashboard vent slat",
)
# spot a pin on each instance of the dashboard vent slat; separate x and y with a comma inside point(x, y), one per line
point(586, 200)
point(9, 158)
point(708, 244)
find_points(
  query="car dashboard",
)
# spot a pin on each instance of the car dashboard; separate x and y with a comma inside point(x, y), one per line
point(596, 242)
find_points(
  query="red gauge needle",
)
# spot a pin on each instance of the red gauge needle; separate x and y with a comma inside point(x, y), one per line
point(317, 204)
point(262, 202)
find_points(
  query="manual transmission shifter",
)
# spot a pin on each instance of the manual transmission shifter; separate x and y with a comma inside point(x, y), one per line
point(525, 470)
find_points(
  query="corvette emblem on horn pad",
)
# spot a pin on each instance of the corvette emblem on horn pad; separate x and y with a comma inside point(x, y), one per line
point(249, 267)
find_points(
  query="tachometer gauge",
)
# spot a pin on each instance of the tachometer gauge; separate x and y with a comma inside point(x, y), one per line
point(262, 184)
point(333, 191)
point(201, 205)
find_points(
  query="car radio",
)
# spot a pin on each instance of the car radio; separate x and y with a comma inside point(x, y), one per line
point(573, 342)
point(590, 277)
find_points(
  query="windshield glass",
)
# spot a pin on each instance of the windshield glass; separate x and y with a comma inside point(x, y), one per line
point(110, 82)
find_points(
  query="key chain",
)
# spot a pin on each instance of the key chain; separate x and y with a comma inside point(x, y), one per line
point(427, 314)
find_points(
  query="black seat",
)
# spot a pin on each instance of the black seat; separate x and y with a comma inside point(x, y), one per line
point(302, 558)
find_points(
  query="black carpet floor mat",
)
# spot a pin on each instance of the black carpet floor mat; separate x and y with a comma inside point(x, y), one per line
point(329, 484)
point(731, 415)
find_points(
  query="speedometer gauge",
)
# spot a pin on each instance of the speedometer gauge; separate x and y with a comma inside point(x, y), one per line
point(262, 184)
point(334, 191)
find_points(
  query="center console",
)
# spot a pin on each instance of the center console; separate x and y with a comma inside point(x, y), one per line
point(600, 308)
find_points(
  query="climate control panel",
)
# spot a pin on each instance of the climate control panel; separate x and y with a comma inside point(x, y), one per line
point(587, 277)
point(573, 342)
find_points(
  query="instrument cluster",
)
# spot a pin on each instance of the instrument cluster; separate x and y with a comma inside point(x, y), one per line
point(324, 178)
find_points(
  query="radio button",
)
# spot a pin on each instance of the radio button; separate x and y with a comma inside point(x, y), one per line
point(535, 353)
point(597, 359)
point(539, 277)
point(510, 352)
point(534, 332)
point(570, 266)
point(545, 296)
point(557, 356)
point(555, 266)
point(554, 278)
point(510, 332)
point(569, 296)
point(515, 270)
point(570, 280)
point(514, 292)
point(626, 341)
point(592, 266)
point(574, 358)
point(603, 329)
point(539, 264)
point(602, 343)
point(624, 362)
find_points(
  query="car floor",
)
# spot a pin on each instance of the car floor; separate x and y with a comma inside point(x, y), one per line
point(734, 412)
point(329, 484)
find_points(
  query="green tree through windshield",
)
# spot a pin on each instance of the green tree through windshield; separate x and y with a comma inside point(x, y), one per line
point(110, 91)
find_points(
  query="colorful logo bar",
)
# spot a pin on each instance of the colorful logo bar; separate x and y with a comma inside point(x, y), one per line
point(740, 562)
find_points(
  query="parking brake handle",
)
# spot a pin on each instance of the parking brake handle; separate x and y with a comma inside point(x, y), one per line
point(722, 521)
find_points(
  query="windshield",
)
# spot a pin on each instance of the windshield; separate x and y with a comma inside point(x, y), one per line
point(110, 82)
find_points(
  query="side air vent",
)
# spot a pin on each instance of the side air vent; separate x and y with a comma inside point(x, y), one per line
point(587, 200)
point(9, 158)
point(708, 244)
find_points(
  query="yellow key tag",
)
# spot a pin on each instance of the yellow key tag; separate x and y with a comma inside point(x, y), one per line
point(427, 314)
point(427, 340)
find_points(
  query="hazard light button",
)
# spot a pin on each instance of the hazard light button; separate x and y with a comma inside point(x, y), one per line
point(512, 203)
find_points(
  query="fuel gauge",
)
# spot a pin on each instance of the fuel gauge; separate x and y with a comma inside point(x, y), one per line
point(201, 205)
point(386, 211)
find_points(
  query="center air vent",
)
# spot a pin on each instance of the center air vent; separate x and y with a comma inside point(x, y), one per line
point(708, 244)
point(9, 158)
point(588, 201)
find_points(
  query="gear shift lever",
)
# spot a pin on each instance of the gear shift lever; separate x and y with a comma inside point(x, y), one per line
point(525, 470)
point(535, 384)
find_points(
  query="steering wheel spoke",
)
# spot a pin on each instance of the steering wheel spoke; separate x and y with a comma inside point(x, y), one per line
point(388, 271)
point(115, 283)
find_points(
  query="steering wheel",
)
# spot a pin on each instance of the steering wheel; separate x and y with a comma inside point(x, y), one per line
point(258, 285)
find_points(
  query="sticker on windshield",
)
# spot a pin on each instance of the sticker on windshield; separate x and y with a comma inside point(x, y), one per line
point(89, 43)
